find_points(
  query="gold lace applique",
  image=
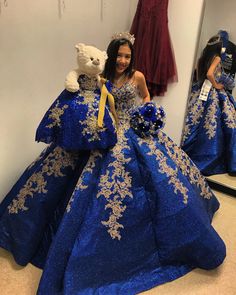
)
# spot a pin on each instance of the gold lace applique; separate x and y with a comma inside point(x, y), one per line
point(52, 165)
point(95, 154)
point(90, 123)
point(185, 165)
point(194, 113)
point(88, 97)
point(55, 115)
point(165, 168)
point(210, 123)
point(115, 184)
point(230, 114)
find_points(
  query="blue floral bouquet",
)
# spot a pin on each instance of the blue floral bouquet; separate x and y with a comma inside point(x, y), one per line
point(146, 120)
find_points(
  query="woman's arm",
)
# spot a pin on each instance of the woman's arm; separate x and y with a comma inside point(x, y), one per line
point(142, 86)
point(210, 73)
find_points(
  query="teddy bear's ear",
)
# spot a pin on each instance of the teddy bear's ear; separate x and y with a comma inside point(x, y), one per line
point(105, 55)
point(79, 46)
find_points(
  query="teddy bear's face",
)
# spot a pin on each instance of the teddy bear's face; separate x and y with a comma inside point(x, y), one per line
point(91, 61)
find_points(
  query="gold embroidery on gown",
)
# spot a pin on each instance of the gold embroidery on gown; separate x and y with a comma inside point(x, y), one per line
point(185, 165)
point(52, 165)
point(90, 123)
point(115, 184)
point(55, 115)
point(210, 123)
point(88, 169)
point(195, 110)
point(230, 114)
point(165, 168)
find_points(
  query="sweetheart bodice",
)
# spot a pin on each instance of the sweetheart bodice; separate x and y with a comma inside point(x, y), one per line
point(125, 98)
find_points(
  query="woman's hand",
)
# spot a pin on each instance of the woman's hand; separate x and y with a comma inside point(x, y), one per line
point(211, 75)
point(219, 86)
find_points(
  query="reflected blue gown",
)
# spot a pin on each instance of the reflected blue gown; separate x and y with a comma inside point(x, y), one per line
point(209, 136)
point(139, 216)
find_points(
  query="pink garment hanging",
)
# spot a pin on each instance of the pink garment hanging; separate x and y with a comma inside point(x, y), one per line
point(154, 55)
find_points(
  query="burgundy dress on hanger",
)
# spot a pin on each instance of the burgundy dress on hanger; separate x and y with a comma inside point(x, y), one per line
point(153, 51)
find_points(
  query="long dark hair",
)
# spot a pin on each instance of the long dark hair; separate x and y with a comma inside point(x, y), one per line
point(212, 49)
point(110, 65)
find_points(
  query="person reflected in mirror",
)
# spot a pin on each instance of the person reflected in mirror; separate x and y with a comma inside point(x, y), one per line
point(228, 57)
point(209, 134)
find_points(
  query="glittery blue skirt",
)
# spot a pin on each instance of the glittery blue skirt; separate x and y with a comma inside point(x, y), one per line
point(32, 210)
point(209, 136)
point(139, 216)
point(71, 122)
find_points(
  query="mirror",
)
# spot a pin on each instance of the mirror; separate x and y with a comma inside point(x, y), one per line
point(209, 134)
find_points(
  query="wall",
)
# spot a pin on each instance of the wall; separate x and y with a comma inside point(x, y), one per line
point(218, 15)
point(184, 25)
point(36, 52)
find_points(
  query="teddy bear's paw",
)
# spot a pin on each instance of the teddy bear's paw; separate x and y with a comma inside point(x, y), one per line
point(72, 87)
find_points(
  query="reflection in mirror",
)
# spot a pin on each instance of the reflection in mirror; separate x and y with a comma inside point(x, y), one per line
point(209, 134)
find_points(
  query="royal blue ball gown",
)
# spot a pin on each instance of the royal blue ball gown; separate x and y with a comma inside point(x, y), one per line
point(139, 214)
point(209, 135)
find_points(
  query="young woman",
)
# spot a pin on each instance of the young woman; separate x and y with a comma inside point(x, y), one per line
point(119, 67)
point(140, 213)
point(209, 135)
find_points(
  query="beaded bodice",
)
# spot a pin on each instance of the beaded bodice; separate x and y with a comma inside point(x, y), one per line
point(87, 83)
point(125, 99)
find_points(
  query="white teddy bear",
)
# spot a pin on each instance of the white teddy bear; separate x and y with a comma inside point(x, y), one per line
point(80, 118)
point(90, 61)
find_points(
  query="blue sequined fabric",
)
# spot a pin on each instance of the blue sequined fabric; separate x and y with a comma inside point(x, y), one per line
point(71, 121)
point(209, 135)
point(118, 221)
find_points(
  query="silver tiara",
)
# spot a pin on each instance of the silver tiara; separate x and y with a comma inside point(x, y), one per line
point(217, 40)
point(124, 35)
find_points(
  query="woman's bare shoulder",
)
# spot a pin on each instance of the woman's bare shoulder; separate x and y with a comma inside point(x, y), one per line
point(139, 76)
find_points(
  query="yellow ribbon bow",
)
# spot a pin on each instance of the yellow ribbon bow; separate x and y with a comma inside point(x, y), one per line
point(102, 103)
